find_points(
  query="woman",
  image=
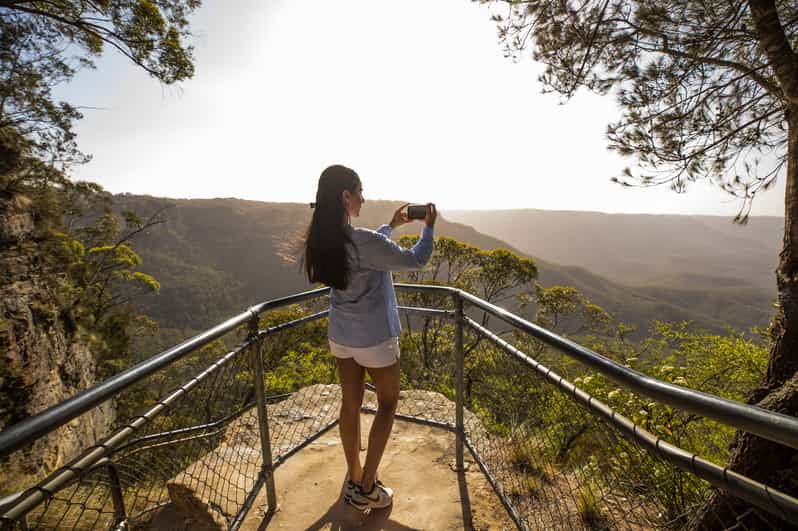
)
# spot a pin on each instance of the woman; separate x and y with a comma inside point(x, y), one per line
point(363, 322)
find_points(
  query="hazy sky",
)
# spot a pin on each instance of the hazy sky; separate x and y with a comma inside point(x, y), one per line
point(415, 95)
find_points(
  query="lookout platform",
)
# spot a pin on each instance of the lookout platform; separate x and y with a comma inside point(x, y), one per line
point(227, 441)
point(418, 463)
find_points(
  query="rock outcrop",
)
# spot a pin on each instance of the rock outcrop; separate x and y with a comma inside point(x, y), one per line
point(41, 363)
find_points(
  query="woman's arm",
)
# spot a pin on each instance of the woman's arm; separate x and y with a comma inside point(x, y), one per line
point(383, 254)
point(385, 230)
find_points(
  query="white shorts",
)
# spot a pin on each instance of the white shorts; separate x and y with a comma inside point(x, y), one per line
point(377, 356)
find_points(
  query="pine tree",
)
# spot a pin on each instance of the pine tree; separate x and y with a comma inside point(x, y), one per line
point(707, 90)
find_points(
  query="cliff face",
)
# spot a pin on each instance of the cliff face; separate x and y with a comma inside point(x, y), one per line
point(41, 361)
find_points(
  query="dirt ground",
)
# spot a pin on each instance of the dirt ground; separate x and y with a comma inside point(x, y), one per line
point(417, 464)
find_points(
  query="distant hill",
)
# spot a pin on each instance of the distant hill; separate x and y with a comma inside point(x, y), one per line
point(215, 257)
point(663, 251)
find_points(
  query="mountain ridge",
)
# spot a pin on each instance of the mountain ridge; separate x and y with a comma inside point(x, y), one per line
point(643, 249)
point(214, 257)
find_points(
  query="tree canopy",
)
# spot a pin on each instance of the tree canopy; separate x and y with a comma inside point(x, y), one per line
point(707, 89)
point(44, 43)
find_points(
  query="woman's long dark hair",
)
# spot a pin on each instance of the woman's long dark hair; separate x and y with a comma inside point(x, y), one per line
point(325, 244)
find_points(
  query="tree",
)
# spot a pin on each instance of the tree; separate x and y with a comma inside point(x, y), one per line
point(558, 302)
point(495, 275)
point(43, 43)
point(83, 266)
point(707, 90)
point(93, 274)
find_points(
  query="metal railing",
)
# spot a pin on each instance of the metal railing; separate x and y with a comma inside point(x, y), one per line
point(187, 433)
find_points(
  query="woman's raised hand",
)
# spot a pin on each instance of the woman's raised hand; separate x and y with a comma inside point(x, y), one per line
point(432, 215)
point(399, 217)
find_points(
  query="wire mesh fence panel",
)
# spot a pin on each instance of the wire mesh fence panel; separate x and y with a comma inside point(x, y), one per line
point(176, 454)
point(85, 504)
point(193, 440)
point(427, 360)
point(559, 465)
point(193, 454)
point(301, 417)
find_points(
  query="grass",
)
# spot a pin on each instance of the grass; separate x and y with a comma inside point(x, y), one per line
point(589, 507)
point(526, 487)
point(529, 456)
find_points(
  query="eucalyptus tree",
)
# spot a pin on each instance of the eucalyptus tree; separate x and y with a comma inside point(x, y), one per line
point(85, 271)
point(707, 89)
point(498, 276)
point(44, 43)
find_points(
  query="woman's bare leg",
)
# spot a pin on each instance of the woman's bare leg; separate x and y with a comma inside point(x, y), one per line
point(386, 380)
point(352, 387)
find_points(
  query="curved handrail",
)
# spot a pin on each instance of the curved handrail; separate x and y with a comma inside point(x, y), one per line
point(30, 429)
point(768, 424)
point(771, 425)
point(31, 497)
point(754, 492)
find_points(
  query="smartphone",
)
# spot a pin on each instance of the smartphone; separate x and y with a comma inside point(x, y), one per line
point(417, 211)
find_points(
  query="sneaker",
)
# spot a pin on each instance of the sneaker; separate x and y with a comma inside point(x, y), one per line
point(379, 497)
point(349, 486)
point(349, 489)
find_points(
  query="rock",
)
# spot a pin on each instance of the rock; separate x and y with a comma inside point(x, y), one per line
point(197, 492)
point(200, 515)
point(16, 221)
point(212, 489)
point(41, 362)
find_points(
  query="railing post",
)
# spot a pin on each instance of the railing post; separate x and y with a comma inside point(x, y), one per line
point(458, 352)
point(118, 499)
point(267, 469)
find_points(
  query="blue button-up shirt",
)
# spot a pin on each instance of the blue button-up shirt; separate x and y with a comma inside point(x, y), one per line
point(365, 313)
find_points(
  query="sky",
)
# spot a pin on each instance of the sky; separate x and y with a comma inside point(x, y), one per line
point(416, 96)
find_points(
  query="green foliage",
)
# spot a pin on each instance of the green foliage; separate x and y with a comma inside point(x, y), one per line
point(86, 265)
point(500, 273)
point(146, 394)
point(45, 43)
point(296, 357)
point(528, 455)
point(589, 507)
point(729, 366)
point(490, 274)
point(496, 276)
point(92, 269)
point(304, 365)
point(86, 261)
point(558, 303)
point(528, 487)
point(548, 434)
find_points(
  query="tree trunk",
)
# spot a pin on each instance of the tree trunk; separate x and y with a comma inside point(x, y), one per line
point(764, 461)
point(767, 462)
